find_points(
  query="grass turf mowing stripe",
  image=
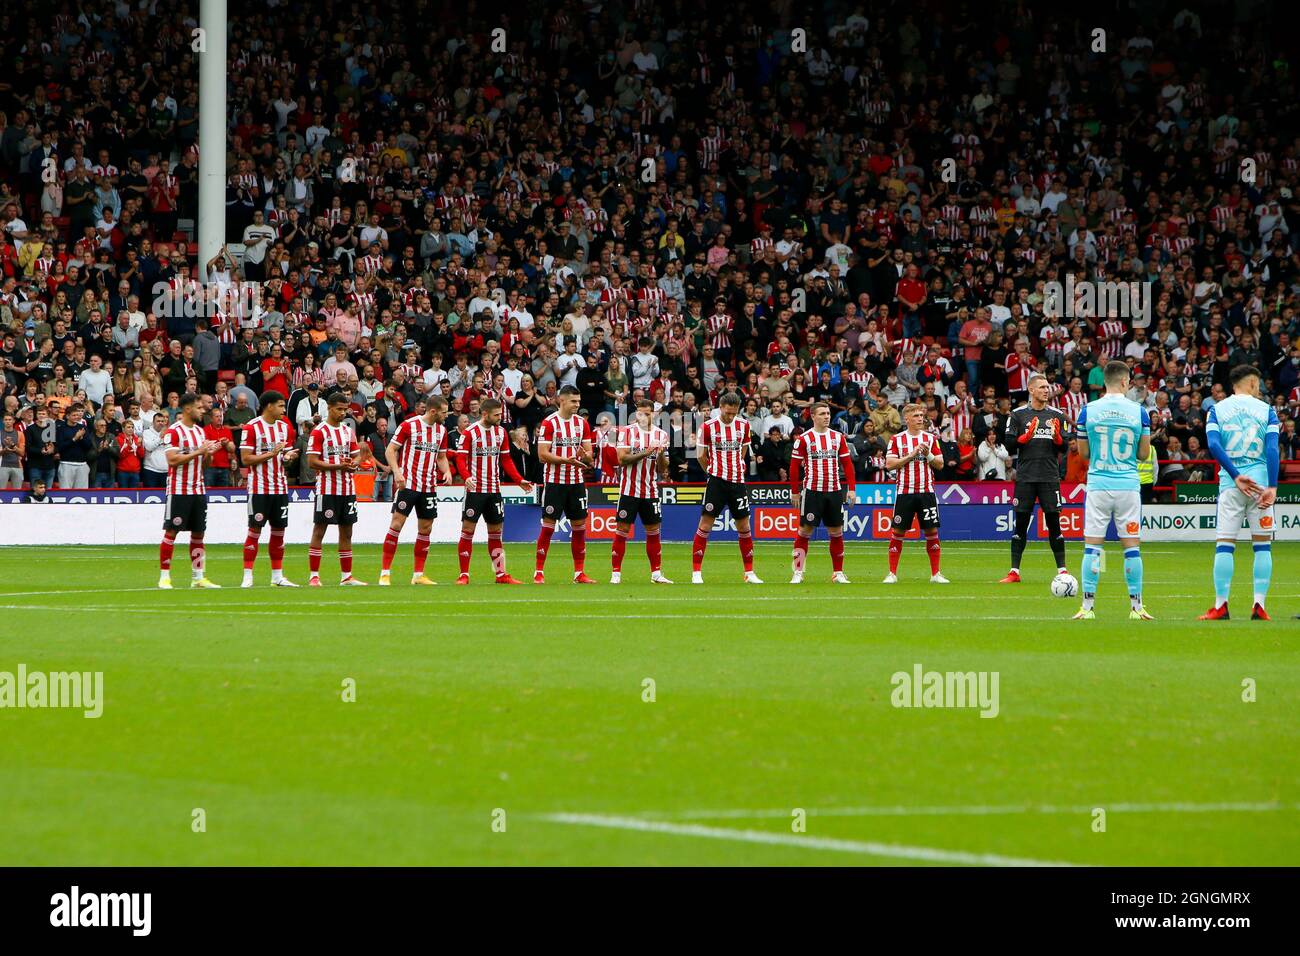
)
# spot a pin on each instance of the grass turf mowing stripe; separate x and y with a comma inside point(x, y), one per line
point(895, 851)
point(479, 612)
point(532, 700)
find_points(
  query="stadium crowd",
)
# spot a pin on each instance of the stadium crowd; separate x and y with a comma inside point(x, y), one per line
point(637, 201)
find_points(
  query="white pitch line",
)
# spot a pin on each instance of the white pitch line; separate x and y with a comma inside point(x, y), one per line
point(975, 810)
point(65, 548)
point(865, 848)
point(72, 591)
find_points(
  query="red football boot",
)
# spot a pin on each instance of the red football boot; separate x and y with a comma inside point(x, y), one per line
point(1259, 614)
point(1215, 614)
point(1013, 577)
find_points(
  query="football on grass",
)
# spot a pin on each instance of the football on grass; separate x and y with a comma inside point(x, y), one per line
point(1064, 586)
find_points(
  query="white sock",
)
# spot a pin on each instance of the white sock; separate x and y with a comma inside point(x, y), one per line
point(1135, 602)
point(1259, 598)
point(277, 574)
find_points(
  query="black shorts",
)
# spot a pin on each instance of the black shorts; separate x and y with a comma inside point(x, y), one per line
point(908, 508)
point(479, 504)
point(822, 507)
point(423, 504)
point(647, 509)
point(567, 500)
point(722, 495)
point(268, 509)
point(335, 509)
point(1046, 493)
point(186, 513)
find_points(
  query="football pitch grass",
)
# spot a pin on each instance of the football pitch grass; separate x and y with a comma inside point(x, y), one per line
point(518, 725)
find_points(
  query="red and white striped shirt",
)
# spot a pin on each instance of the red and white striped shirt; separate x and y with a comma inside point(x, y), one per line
point(411, 294)
point(612, 294)
point(981, 217)
point(913, 349)
point(259, 437)
point(818, 456)
point(719, 326)
point(966, 146)
point(961, 414)
point(334, 444)
point(597, 219)
point(641, 480)
point(418, 445)
point(916, 477)
point(1071, 403)
point(862, 380)
point(1264, 167)
point(1113, 346)
point(1018, 371)
point(1053, 339)
point(629, 325)
point(186, 479)
point(566, 437)
point(483, 446)
point(726, 445)
point(710, 149)
point(226, 333)
point(657, 298)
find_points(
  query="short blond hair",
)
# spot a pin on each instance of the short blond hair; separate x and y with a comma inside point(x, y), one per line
point(912, 407)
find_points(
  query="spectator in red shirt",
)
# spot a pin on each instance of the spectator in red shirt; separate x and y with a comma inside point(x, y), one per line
point(880, 161)
point(974, 333)
point(151, 331)
point(130, 456)
point(966, 448)
point(911, 296)
point(475, 391)
point(275, 372)
point(469, 339)
point(216, 474)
